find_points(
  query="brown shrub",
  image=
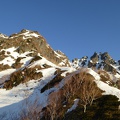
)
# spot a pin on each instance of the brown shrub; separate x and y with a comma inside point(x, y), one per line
point(35, 59)
point(82, 86)
point(4, 67)
point(53, 111)
point(104, 75)
point(46, 66)
point(2, 55)
point(17, 63)
point(53, 82)
point(15, 79)
point(22, 76)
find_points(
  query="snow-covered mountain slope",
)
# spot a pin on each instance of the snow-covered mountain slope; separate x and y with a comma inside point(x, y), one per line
point(15, 97)
point(37, 82)
point(24, 95)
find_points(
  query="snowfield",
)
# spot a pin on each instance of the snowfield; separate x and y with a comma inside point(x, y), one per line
point(14, 100)
point(21, 97)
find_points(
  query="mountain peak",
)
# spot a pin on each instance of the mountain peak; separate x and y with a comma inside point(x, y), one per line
point(25, 30)
point(98, 61)
point(3, 36)
point(25, 34)
point(31, 42)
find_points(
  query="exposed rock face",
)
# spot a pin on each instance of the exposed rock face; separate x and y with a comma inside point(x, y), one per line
point(93, 60)
point(97, 61)
point(107, 58)
point(119, 62)
point(33, 42)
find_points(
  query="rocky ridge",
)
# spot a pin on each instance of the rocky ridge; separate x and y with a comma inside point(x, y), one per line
point(98, 61)
point(27, 41)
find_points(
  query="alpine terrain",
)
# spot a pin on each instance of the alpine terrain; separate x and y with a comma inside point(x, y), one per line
point(39, 83)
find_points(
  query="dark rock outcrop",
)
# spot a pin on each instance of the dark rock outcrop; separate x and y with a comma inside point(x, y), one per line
point(97, 61)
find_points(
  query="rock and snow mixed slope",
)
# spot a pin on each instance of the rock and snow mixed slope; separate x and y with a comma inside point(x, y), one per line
point(98, 61)
point(13, 47)
point(28, 64)
point(12, 100)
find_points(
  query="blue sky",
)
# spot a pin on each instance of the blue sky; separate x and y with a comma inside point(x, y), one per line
point(76, 27)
